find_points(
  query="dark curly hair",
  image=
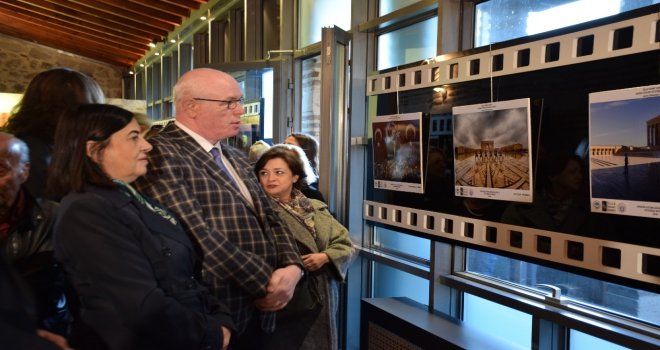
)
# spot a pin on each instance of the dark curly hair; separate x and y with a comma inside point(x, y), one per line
point(294, 157)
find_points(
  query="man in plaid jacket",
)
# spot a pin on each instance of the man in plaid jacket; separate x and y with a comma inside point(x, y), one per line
point(250, 259)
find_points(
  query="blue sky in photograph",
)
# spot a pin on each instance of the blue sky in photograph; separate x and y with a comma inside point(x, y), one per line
point(622, 122)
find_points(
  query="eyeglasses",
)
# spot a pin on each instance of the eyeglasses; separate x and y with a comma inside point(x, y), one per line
point(231, 104)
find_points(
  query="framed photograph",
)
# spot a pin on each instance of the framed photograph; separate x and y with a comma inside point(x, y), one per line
point(624, 151)
point(492, 151)
point(397, 151)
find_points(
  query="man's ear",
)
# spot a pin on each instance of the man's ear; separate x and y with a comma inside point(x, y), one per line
point(25, 172)
point(191, 107)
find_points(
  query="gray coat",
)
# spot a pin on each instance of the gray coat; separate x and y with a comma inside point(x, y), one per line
point(332, 238)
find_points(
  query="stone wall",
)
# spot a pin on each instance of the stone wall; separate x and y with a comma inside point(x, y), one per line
point(21, 60)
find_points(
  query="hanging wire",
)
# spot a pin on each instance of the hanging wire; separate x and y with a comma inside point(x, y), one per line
point(490, 55)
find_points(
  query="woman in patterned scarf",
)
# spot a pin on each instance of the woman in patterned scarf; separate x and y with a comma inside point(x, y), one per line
point(309, 320)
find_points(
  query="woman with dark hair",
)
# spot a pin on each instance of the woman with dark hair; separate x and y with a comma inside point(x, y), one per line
point(309, 321)
point(311, 148)
point(128, 260)
point(35, 117)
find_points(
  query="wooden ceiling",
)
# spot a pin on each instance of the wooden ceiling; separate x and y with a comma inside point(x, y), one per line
point(112, 31)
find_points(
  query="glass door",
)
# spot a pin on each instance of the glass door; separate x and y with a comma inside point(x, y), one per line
point(265, 90)
point(334, 127)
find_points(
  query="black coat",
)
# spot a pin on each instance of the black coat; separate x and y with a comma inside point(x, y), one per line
point(28, 246)
point(18, 324)
point(132, 271)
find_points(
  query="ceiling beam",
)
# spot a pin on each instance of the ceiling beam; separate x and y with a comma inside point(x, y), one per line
point(65, 41)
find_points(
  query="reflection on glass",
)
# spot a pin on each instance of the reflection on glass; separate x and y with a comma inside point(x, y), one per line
point(310, 104)
point(409, 44)
point(387, 6)
point(634, 303)
point(501, 20)
point(389, 282)
point(315, 15)
point(579, 340)
point(400, 242)
point(499, 321)
point(257, 118)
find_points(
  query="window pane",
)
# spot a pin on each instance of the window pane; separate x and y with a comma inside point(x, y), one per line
point(310, 103)
point(497, 320)
point(614, 297)
point(267, 85)
point(579, 340)
point(409, 44)
point(390, 282)
point(407, 244)
point(501, 20)
point(314, 15)
point(387, 6)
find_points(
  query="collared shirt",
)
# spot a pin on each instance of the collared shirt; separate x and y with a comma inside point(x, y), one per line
point(207, 146)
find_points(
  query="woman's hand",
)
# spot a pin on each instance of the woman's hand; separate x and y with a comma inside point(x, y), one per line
point(315, 261)
point(226, 336)
point(56, 339)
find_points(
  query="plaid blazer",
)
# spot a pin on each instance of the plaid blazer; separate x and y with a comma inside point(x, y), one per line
point(241, 245)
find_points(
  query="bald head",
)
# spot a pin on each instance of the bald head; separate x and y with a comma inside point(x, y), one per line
point(13, 148)
point(201, 99)
point(14, 169)
point(197, 83)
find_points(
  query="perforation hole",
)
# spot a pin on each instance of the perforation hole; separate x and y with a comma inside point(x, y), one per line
point(491, 234)
point(575, 250)
point(585, 46)
point(543, 244)
point(611, 257)
point(516, 239)
point(469, 230)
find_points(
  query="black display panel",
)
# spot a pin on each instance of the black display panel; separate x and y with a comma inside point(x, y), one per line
point(559, 131)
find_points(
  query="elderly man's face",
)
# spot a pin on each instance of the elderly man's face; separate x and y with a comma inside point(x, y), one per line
point(12, 175)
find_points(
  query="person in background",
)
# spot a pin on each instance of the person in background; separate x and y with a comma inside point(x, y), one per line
point(153, 130)
point(559, 202)
point(35, 117)
point(251, 260)
point(325, 246)
point(311, 148)
point(256, 150)
point(130, 264)
point(144, 122)
point(26, 236)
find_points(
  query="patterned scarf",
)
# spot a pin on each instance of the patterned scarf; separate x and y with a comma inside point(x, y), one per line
point(132, 193)
point(301, 208)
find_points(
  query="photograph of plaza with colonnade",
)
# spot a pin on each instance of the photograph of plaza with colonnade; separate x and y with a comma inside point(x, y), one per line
point(492, 151)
